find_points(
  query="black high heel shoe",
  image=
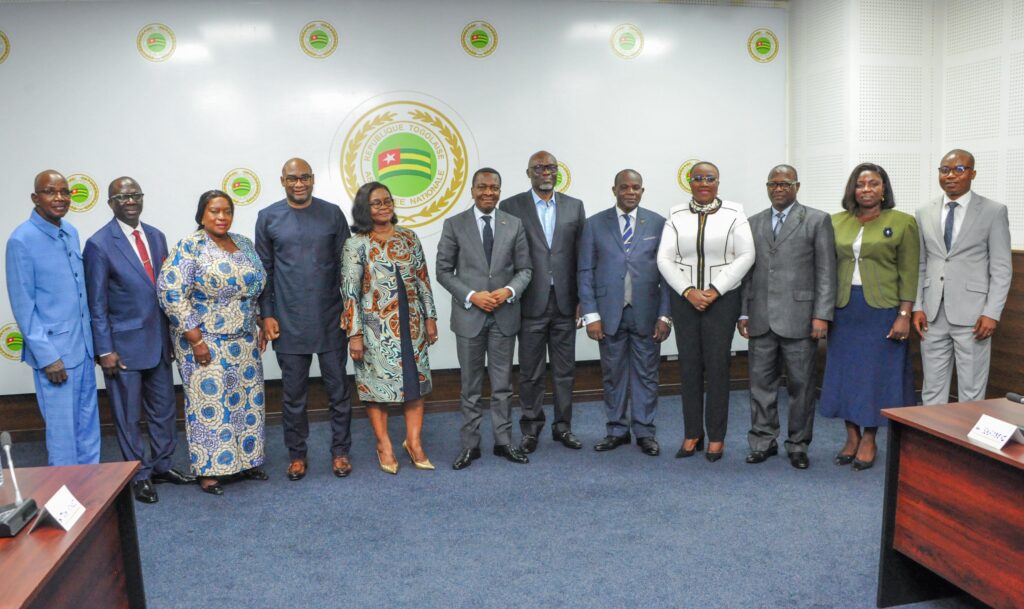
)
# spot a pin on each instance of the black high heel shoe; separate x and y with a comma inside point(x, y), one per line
point(255, 473)
point(213, 489)
point(842, 459)
point(682, 453)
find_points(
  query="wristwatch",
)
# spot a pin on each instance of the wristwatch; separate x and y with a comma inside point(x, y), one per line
point(904, 313)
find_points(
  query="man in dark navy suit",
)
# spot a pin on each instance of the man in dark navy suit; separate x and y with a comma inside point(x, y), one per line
point(131, 337)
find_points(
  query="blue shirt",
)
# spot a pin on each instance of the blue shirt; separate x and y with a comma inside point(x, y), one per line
point(46, 287)
point(785, 216)
point(546, 213)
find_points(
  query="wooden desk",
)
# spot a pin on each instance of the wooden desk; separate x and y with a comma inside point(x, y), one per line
point(954, 509)
point(96, 564)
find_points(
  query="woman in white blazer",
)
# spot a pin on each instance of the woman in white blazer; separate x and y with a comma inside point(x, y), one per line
point(706, 249)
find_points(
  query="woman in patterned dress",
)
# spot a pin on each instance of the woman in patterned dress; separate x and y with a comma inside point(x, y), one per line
point(208, 288)
point(390, 320)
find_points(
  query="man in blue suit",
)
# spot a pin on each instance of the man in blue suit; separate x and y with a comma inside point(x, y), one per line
point(46, 286)
point(625, 307)
point(131, 336)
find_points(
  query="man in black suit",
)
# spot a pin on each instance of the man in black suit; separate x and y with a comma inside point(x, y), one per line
point(550, 306)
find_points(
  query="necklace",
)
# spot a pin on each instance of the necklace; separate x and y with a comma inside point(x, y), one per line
point(705, 208)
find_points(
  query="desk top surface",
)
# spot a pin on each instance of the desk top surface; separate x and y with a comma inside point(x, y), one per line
point(953, 422)
point(27, 561)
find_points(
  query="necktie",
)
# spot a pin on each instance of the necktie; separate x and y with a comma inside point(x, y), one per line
point(488, 239)
point(627, 233)
point(947, 234)
point(778, 225)
point(141, 247)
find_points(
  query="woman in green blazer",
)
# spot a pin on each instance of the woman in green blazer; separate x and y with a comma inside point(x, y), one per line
point(868, 366)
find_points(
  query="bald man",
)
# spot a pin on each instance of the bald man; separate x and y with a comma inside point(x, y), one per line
point(46, 287)
point(131, 337)
point(299, 240)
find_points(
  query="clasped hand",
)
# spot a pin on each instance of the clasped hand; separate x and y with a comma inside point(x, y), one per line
point(489, 301)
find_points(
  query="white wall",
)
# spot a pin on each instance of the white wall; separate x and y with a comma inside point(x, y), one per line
point(240, 92)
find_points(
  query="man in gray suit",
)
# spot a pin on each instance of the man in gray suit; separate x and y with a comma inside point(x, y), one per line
point(553, 223)
point(299, 240)
point(965, 276)
point(788, 299)
point(625, 306)
point(484, 262)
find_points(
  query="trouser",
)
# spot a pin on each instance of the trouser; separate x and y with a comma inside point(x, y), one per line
point(704, 341)
point(629, 370)
point(494, 348)
point(767, 354)
point(71, 414)
point(554, 335)
point(294, 389)
point(945, 344)
point(133, 393)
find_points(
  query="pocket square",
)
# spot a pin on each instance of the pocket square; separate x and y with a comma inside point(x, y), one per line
point(649, 238)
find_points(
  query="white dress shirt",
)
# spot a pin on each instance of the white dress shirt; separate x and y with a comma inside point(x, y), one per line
point(480, 224)
point(958, 214)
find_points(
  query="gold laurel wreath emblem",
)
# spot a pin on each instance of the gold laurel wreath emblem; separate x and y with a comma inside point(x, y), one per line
point(456, 149)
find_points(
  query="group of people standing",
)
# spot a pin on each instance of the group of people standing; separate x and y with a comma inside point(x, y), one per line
point(531, 267)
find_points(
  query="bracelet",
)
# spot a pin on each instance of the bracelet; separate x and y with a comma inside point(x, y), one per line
point(197, 343)
point(688, 290)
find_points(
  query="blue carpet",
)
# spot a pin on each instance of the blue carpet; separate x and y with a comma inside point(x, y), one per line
point(571, 529)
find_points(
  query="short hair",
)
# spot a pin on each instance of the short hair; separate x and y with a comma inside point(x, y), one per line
point(485, 170)
point(784, 167)
point(625, 171)
point(850, 196)
point(961, 151)
point(362, 219)
point(708, 163)
point(204, 200)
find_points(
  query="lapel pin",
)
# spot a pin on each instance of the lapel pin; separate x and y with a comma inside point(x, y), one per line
point(887, 231)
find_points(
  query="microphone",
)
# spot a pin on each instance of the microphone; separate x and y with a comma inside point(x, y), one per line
point(1015, 397)
point(15, 516)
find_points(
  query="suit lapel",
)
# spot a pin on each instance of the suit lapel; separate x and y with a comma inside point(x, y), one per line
point(793, 220)
point(614, 231)
point(470, 226)
point(970, 217)
point(501, 236)
point(127, 250)
point(531, 219)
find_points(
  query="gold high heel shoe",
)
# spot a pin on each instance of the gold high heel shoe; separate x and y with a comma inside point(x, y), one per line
point(424, 464)
point(390, 469)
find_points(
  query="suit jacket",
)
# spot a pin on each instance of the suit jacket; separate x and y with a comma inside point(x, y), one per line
point(973, 278)
point(126, 314)
point(462, 268)
point(301, 251)
point(46, 286)
point(557, 262)
point(604, 262)
point(722, 257)
point(888, 258)
point(793, 279)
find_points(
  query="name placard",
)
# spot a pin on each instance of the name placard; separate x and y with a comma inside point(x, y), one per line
point(62, 509)
point(994, 432)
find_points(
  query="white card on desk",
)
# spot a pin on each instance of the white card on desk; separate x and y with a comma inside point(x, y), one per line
point(62, 508)
point(994, 432)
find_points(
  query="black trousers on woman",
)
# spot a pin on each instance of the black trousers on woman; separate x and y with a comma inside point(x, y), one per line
point(704, 341)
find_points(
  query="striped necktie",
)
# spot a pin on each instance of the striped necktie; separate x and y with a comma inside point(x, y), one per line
point(627, 233)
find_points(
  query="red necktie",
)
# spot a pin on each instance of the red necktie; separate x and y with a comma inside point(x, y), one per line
point(139, 245)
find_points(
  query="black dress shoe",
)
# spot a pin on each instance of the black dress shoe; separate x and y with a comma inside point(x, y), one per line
point(529, 443)
point(144, 491)
point(649, 445)
point(174, 477)
point(255, 473)
point(567, 439)
point(466, 458)
point(213, 489)
point(799, 460)
point(612, 442)
point(512, 453)
point(760, 456)
point(682, 453)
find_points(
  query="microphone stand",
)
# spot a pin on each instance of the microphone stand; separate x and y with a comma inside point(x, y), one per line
point(14, 516)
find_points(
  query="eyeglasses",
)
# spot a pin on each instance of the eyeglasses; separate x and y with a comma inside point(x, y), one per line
point(305, 178)
point(544, 168)
point(774, 185)
point(131, 196)
point(53, 192)
point(705, 179)
point(382, 203)
point(958, 170)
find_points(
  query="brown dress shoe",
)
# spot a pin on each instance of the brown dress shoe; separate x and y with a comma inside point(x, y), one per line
point(341, 466)
point(297, 469)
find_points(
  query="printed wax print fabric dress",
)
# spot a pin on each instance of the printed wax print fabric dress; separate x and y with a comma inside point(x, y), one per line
point(387, 299)
point(203, 286)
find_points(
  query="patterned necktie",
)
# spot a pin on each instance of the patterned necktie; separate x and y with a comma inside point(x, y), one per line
point(947, 234)
point(488, 239)
point(144, 254)
point(778, 225)
point(627, 233)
